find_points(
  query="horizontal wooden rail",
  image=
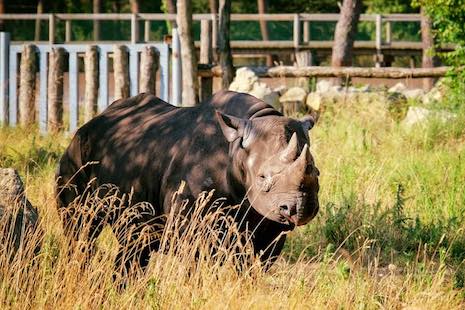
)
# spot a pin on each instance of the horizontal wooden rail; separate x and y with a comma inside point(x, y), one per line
point(290, 71)
point(234, 17)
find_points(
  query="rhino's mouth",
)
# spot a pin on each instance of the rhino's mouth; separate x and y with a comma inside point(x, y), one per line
point(299, 214)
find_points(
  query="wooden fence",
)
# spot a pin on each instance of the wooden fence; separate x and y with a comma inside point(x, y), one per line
point(134, 66)
point(300, 40)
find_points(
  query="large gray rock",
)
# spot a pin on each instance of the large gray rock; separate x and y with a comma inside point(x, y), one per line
point(416, 94)
point(293, 100)
point(398, 88)
point(419, 115)
point(246, 81)
point(17, 215)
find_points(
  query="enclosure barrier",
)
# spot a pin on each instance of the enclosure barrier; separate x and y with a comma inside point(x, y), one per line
point(206, 71)
point(300, 40)
point(129, 71)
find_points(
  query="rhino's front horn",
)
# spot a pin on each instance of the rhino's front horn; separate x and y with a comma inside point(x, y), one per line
point(290, 153)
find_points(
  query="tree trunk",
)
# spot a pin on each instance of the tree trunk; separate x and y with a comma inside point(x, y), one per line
point(96, 8)
point(213, 6)
point(344, 36)
point(190, 85)
point(225, 57)
point(40, 10)
point(92, 83)
point(134, 6)
point(428, 60)
point(55, 89)
point(27, 81)
point(171, 9)
point(2, 11)
point(262, 8)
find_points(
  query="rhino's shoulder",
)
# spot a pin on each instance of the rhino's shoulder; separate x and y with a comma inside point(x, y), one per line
point(241, 105)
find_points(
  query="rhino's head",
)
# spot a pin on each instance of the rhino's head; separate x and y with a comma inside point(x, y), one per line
point(272, 159)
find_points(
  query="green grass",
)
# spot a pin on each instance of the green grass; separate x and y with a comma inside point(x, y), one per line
point(389, 234)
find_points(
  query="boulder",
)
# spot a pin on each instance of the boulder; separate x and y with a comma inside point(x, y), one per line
point(17, 215)
point(398, 88)
point(315, 101)
point(246, 81)
point(324, 86)
point(293, 100)
point(294, 94)
point(263, 92)
point(419, 115)
point(415, 94)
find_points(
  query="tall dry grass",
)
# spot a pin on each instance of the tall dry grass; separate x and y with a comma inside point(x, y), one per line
point(389, 233)
point(201, 266)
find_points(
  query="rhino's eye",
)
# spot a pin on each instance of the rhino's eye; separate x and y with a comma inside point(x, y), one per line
point(264, 182)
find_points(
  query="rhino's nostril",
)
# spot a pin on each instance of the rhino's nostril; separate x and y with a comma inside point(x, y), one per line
point(287, 210)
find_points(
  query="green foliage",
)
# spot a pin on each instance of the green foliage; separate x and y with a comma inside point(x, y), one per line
point(448, 17)
point(387, 191)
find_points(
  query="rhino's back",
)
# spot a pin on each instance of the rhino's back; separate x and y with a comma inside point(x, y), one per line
point(142, 143)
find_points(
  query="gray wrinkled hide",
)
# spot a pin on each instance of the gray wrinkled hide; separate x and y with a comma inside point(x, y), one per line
point(17, 215)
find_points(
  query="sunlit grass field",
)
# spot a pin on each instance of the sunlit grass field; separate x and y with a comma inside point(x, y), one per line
point(389, 234)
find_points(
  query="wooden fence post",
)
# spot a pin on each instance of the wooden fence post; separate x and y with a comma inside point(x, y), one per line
point(206, 83)
point(4, 76)
point(121, 71)
point(379, 40)
point(91, 73)
point(51, 28)
point(68, 35)
point(176, 70)
point(55, 89)
point(27, 81)
point(149, 63)
point(303, 59)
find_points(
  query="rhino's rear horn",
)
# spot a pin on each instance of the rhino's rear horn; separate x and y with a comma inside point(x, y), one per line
point(302, 161)
point(290, 153)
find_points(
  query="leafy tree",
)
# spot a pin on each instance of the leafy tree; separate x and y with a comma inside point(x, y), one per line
point(448, 17)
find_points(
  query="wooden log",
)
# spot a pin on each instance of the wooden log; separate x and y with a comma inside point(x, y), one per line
point(91, 73)
point(121, 71)
point(27, 81)
point(224, 47)
point(206, 57)
point(316, 71)
point(55, 89)
point(190, 87)
point(149, 64)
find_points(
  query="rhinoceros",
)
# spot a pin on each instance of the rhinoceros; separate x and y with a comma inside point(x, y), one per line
point(234, 144)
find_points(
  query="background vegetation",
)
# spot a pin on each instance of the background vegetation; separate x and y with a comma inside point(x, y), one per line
point(390, 232)
point(82, 30)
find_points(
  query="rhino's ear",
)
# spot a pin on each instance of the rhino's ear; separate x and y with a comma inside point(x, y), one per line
point(232, 127)
point(308, 121)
